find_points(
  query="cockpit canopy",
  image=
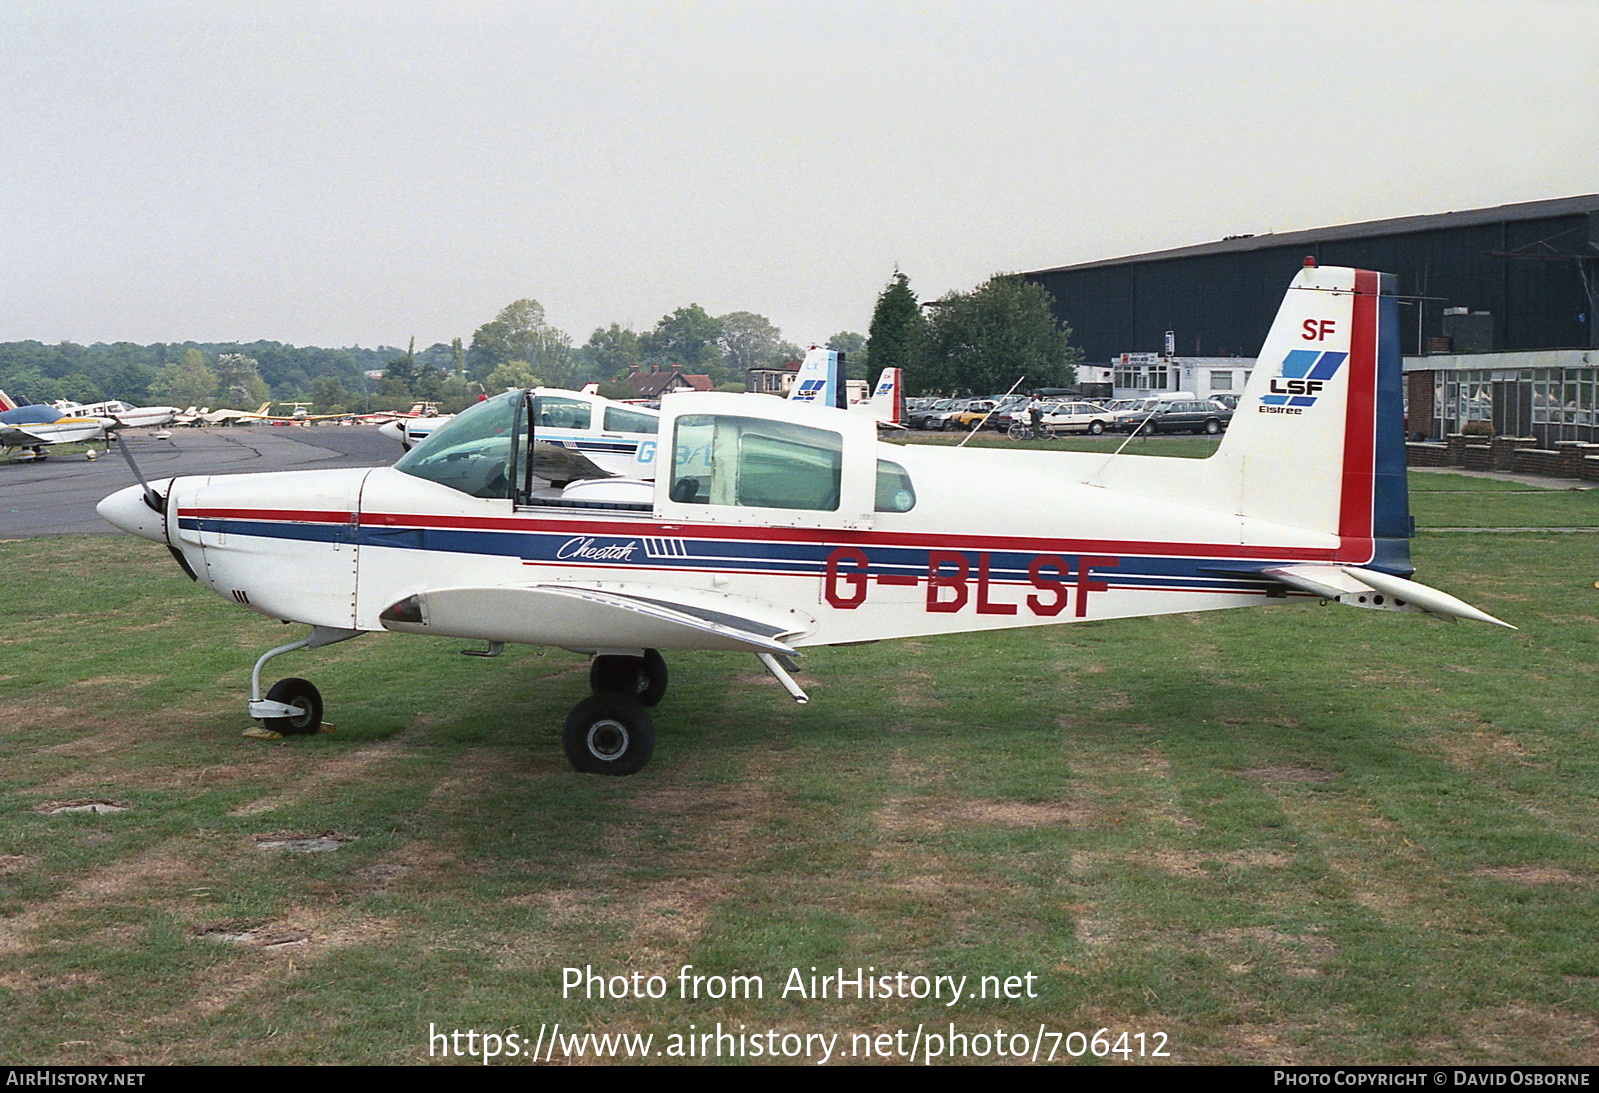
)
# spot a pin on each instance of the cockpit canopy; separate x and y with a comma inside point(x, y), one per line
point(742, 460)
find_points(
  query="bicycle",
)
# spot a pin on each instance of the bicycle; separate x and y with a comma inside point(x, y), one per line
point(1021, 431)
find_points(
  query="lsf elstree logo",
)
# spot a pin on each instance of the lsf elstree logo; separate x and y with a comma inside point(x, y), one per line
point(1303, 375)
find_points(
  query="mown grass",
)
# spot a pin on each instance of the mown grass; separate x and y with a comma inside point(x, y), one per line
point(1304, 834)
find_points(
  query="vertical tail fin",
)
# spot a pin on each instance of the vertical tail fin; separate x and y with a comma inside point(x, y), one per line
point(820, 380)
point(1317, 441)
point(6, 403)
point(887, 403)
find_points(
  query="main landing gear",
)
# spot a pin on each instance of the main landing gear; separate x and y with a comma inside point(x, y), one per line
point(610, 731)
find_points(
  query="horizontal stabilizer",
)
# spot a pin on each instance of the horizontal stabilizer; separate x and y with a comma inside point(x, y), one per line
point(1428, 599)
point(1355, 585)
point(578, 618)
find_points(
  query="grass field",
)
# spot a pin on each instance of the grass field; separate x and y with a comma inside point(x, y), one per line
point(1294, 835)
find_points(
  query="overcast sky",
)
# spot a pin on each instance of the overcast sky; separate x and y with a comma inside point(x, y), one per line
point(340, 173)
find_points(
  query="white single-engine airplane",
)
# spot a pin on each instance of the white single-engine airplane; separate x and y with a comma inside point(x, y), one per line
point(774, 525)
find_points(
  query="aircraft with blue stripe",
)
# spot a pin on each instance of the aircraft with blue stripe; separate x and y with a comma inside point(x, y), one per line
point(771, 525)
point(615, 437)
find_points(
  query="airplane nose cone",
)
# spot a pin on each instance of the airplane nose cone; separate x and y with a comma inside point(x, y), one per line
point(394, 430)
point(126, 510)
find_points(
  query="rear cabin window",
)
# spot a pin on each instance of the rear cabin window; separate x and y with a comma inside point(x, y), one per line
point(751, 462)
point(618, 420)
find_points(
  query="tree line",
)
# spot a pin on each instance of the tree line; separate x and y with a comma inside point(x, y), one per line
point(977, 342)
point(1001, 334)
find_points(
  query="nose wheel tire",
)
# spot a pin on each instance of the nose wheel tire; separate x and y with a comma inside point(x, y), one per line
point(608, 733)
point(296, 692)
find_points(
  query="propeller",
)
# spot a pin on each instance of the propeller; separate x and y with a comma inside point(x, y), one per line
point(156, 502)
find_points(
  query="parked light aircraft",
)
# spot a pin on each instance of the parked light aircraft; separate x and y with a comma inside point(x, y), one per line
point(35, 427)
point(617, 438)
point(776, 525)
point(117, 413)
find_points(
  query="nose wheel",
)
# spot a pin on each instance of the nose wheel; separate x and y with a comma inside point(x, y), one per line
point(302, 696)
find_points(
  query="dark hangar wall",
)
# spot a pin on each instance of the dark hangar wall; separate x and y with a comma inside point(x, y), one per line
point(1220, 298)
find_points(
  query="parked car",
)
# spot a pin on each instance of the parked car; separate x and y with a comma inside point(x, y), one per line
point(968, 415)
point(1179, 416)
point(930, 416)
point(1070, 417)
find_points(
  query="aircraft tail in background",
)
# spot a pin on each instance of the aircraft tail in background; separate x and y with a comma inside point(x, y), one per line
point(820, 381)
point(887, 403)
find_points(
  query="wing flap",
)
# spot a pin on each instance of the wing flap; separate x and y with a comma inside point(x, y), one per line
point(581, 618)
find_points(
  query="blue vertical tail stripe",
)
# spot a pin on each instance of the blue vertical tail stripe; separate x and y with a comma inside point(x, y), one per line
point(1390, 496)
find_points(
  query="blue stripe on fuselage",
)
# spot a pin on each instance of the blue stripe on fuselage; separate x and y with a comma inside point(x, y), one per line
point(635, 552)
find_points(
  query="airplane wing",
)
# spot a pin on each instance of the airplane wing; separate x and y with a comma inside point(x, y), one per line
point(555, 463)
point(34, 435)
point(578, 617)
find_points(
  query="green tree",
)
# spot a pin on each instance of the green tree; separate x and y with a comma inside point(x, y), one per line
point(897, 333)
point(328, 396)
point(690, 337)
point(187, 382)
point(400, 376)
point(750, 341)
point(77, 387)
point(511, 374)
point(520, 333)
point(613, 351)
point(239, 381)
point(983, 341)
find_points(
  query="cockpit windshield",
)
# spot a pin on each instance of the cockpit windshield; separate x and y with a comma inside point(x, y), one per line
point(471, 453)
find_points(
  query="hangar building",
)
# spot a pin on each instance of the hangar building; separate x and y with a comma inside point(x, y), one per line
point(1498, 323)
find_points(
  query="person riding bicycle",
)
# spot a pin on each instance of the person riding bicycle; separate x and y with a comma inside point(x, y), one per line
point(1035, 416)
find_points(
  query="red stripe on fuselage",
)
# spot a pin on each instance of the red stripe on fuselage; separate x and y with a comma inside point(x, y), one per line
point(1354, 511)
point(1352, 550)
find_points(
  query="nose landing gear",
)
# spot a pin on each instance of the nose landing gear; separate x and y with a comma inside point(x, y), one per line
point(293, 707)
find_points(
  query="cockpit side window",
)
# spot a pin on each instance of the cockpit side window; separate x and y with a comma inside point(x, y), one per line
point(471, 453)
point(751, 462)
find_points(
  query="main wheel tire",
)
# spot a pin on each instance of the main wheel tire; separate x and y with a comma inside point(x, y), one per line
point(1096, 427)
point(295, 692)
point(641, 678)
point(608, 733)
